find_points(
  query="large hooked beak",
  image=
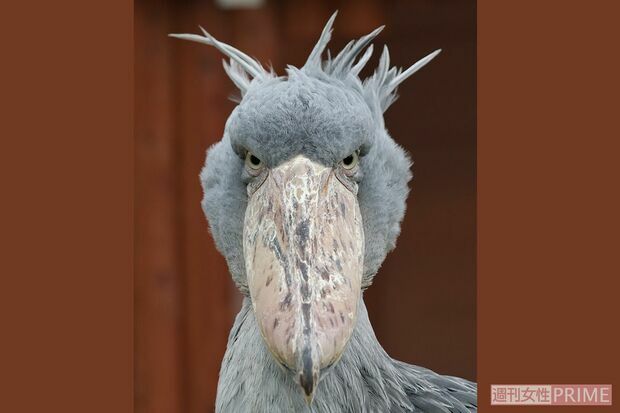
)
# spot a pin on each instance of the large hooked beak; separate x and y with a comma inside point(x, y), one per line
point(303, 243)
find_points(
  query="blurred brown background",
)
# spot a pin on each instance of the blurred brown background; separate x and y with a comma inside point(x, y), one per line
point(423, 302)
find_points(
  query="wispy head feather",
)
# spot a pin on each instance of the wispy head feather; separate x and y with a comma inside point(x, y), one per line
point(242, 69)
point(379, 89)
point(314, 60)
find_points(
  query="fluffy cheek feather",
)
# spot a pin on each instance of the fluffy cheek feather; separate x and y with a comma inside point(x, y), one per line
point(386, 176)
point(224, 203)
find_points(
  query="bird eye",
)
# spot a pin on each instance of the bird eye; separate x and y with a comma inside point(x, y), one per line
point(252, 162)
point(350, 161)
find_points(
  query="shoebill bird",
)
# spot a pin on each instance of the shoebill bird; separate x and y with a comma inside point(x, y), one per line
point(304, 195)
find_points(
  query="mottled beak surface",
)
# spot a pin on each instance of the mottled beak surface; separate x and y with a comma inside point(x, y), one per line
point(303, 242)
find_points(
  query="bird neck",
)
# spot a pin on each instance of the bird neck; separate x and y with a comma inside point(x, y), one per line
point(250, 379)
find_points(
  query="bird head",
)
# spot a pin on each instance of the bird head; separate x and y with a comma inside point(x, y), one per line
point(305, 193)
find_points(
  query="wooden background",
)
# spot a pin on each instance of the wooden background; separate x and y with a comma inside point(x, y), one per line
point(422, 304)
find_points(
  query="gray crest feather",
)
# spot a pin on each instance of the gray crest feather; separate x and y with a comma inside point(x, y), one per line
point(237, 74)
point(411, 70)
point(383, 83)
point(355, 70)
point(379, 89)
point(241, 65)
point(314, 59)
point(342, 64)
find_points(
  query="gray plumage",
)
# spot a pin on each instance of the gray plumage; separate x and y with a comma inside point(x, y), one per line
point(325, 112)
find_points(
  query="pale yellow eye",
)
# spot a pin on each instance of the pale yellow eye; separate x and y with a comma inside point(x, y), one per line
point(350, 161)
point(252, 162)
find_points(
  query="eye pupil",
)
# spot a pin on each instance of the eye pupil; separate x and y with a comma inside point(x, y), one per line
point(348, 160)
point(254, 160)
